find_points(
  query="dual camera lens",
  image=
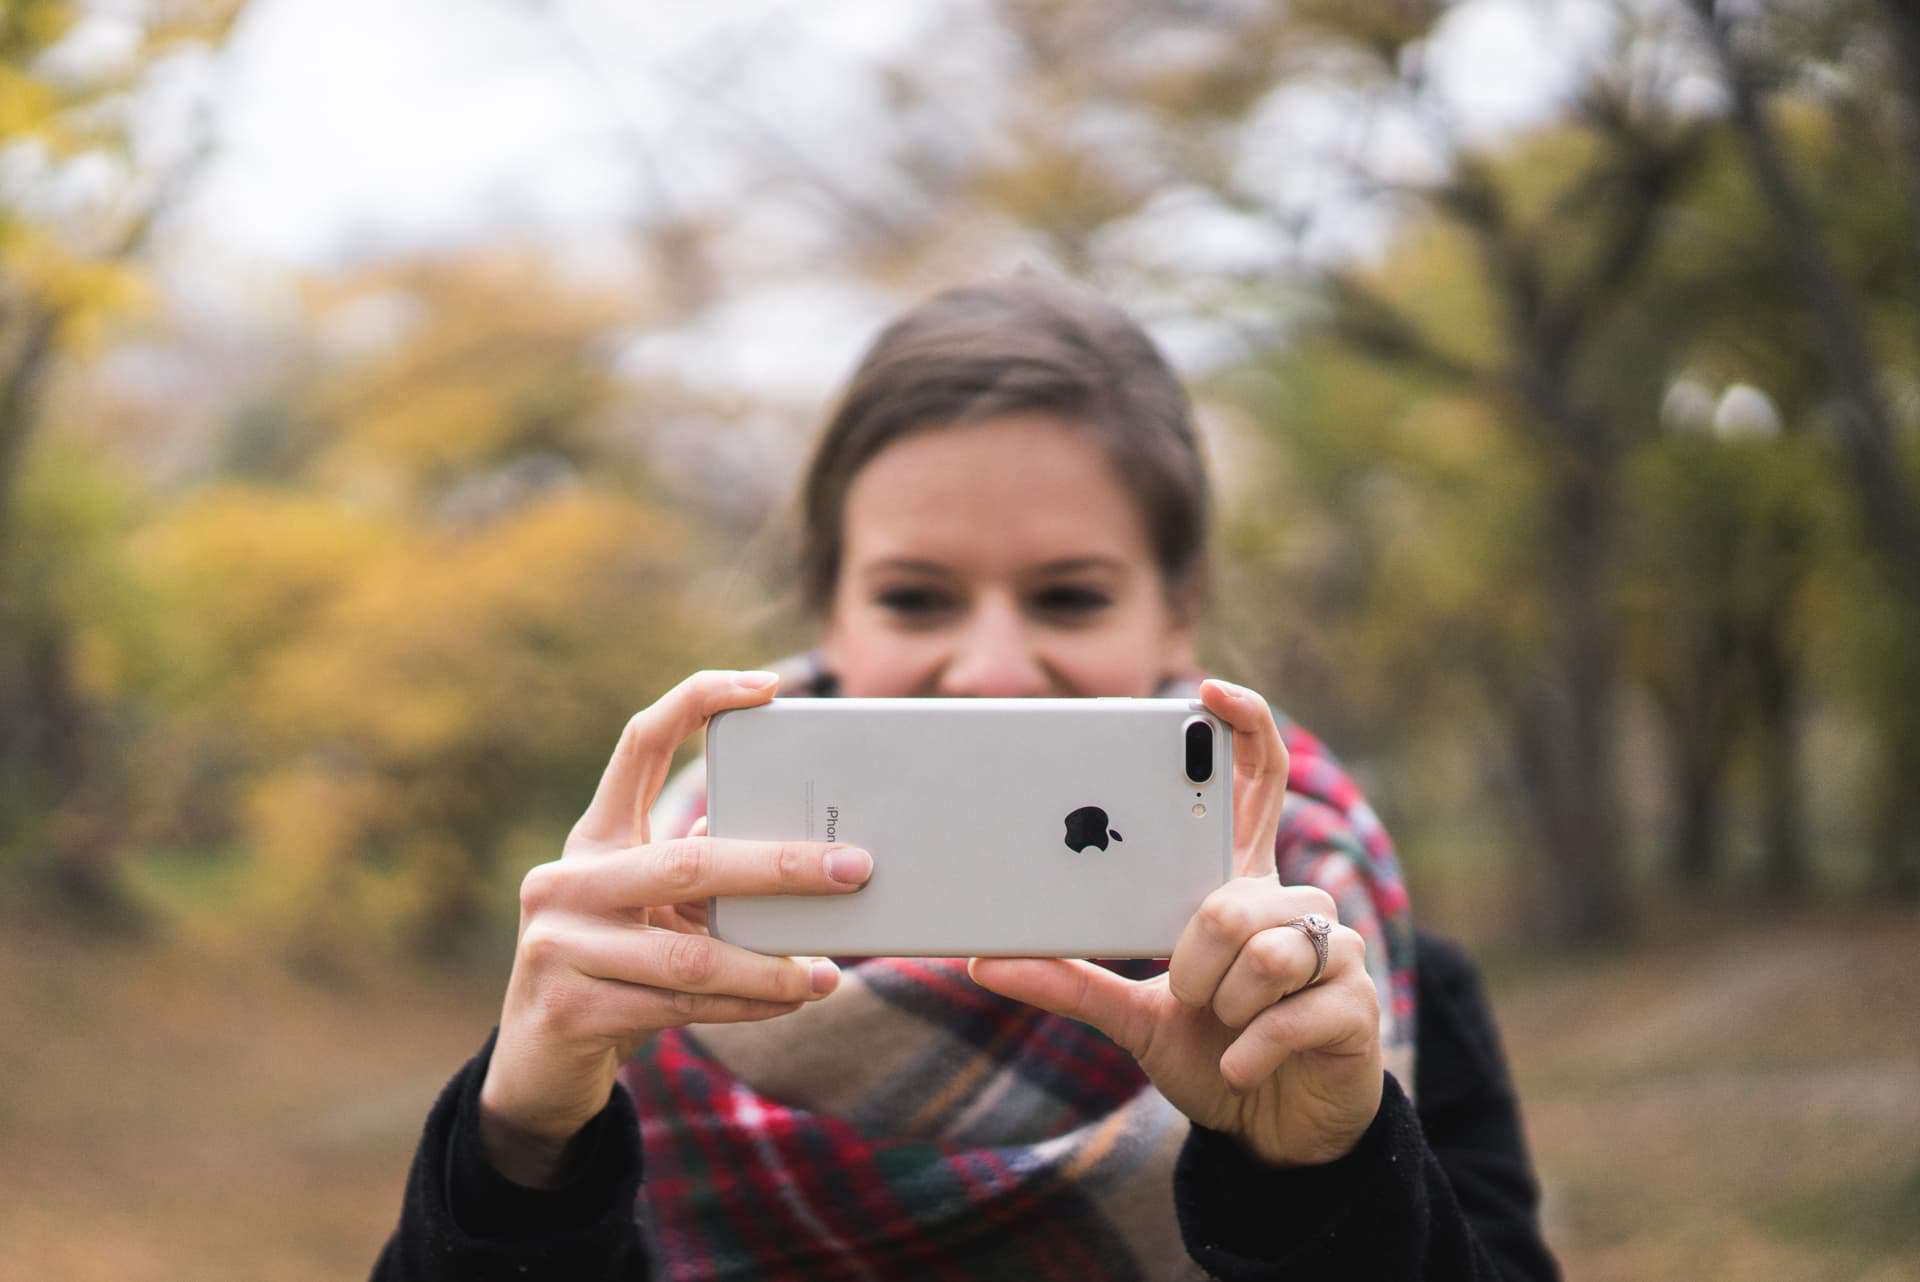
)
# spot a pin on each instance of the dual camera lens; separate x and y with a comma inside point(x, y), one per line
point(1199, 744)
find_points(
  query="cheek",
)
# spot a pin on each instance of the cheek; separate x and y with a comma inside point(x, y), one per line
point(876, 662)
point(1114, 666)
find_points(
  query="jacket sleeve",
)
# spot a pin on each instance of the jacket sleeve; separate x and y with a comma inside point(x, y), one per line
point(462, 1219)
point(1444, 1192)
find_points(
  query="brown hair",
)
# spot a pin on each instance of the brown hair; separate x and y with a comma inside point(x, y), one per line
point(1010, 346)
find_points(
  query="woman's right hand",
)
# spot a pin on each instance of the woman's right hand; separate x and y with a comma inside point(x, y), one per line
point(613, 943)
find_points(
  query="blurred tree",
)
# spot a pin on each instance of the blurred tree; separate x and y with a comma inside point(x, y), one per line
point(1871, 68)
point(1826, 112)
point(1542, 300)
point(79, 196)
point(1561, 230)
point(1733, 521)
point(408, 624)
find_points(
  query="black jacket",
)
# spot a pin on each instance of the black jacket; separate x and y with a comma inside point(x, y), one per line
point(1442, 1192)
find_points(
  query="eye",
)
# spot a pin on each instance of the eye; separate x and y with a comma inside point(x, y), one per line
point(915, 601)
point(1073, 600)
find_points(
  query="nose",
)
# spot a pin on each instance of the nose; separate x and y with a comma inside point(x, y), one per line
point(994, 656)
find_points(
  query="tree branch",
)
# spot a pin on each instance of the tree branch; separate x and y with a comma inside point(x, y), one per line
point(1866, 424)
point(1904, 16)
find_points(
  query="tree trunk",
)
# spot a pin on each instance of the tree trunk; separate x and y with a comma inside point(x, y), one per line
point(1896, 832)
point(1695, 859)
point(1904, 16)
point(1777, 701)
point(1565, 732)
point(1888, 504)
point(1702, 724)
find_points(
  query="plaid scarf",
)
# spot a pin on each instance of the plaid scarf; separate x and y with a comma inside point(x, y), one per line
point(915, 1124)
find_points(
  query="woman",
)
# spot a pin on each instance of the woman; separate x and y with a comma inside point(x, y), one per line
point(1009, 501)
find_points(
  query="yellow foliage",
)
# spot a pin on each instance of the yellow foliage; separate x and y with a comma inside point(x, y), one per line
point(433, 427)
point(1453, 433)
point(244, 571)
point(454, 637)
point(307, 818)
point(99, 665)
point(412, 699)
point(489, 356)
point(26, 105)
point(1056, 187)
point(205, 22)
point(1432, 277)
point(307, 823)
point(83, 292)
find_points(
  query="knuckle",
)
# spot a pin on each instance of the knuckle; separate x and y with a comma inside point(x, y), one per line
point(690, 959)
point(1179, 984)
point(1225, 914)
point(541, 947)
point(1350, 941)
point(793, 864)
point(563, 1007)
point(687, 1005)
point(1362, 1005)
point(1369, 998)
point(792, 982)
point(540, 888)
point(1323, 903)
point(684, 863)
point(1274, 1026)
point(633, 734)
point(1269, 956)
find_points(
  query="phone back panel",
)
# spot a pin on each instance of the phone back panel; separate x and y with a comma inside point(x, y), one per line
point(966, 805)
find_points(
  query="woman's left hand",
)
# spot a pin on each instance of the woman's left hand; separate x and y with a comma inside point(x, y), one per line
point(1228, 1034)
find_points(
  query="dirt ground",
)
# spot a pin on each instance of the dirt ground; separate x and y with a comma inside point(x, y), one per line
point(1726, 1101)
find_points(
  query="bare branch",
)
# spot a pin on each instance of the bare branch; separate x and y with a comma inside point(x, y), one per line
point(1376, 327)
point(1866, 424)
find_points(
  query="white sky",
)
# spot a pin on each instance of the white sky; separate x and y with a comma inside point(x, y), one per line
point(346, 125)
point(343, 129)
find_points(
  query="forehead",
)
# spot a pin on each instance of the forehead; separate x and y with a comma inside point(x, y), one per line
point(1013, 489)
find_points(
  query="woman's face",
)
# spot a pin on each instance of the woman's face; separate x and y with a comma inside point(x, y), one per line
point(1003, 558)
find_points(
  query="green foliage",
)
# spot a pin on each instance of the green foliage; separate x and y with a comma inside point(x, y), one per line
point(389, 695)
point(378, 665)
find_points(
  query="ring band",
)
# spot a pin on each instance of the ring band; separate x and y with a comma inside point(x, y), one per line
point(1316, 928)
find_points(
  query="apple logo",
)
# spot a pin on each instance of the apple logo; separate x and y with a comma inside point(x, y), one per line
point(1087, 826)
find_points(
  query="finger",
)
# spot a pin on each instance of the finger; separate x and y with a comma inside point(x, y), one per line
point(677, 962)
point(1260, 764)
point(1226, 919)
point(693, 914)
point(612, 1008)
point(638, 768)
point(1077, 989)
point(690, 868)
point(1338, 1019)
point(1278, 962)
point(690, 918)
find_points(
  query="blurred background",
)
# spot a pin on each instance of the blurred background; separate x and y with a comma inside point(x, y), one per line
point(393, 398)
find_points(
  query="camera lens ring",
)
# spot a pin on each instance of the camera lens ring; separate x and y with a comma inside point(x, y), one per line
point(1198, 754)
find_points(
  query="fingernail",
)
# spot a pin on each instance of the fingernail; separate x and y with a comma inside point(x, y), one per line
point(755, 680)
point(823, 974)
point(850, 865)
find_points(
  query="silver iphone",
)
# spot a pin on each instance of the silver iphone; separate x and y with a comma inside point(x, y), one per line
point(998, 827)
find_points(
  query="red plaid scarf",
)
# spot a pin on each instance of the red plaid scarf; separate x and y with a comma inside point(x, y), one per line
point(914, 1124)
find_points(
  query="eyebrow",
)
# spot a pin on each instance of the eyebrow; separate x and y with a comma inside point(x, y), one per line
point(1065, 565)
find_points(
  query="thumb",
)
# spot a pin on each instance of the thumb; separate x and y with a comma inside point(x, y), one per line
point(1077, 989)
